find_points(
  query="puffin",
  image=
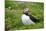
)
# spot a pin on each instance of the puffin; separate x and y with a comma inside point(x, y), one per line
point(26, 18)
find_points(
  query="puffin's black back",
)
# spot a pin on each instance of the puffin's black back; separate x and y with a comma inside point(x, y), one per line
point(33, 18)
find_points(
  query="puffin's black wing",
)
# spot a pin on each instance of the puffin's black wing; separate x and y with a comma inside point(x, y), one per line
point(33, 18)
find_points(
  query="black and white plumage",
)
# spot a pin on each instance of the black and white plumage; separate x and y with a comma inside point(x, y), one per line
point(26, 19)
point(33, 18)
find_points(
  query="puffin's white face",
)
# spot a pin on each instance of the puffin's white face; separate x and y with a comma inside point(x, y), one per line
point(26, 10)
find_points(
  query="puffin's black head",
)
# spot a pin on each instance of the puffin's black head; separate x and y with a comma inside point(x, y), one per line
point(26, 11)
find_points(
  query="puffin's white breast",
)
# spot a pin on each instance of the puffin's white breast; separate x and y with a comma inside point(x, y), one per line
point(26, 20)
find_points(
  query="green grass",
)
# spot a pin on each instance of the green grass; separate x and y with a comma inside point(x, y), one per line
point(13, 17)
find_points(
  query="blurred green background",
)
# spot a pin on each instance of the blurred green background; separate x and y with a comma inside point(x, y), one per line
point(14, 11)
